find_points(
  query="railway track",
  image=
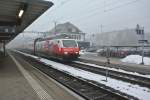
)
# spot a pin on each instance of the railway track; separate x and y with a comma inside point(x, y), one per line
point(117, 66)
point(85, 88)
point(134, 79)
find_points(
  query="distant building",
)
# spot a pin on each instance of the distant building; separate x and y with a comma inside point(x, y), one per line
point(68, 30)
point(126, 37)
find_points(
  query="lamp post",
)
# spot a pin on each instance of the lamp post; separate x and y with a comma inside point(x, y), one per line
point(142, 46)
point(4, 47)
point(140, 31)
point(108, 62)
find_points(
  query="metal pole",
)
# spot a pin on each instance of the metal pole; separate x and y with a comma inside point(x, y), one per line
point(101, 28)
point(55, 23)
point(143, 47)
point(23, 41)
point(4, 49)
point(34, 46)
point(107, 65)
point(84, 36)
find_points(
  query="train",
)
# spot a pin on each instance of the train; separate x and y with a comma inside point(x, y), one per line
point(63, 49)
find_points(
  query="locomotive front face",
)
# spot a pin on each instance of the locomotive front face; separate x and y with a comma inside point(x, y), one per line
point(70, 49)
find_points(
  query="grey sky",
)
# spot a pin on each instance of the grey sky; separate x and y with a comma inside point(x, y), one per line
point(88, 15)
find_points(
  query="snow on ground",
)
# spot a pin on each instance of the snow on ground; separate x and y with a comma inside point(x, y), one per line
point(81, 52)
point(91, 53)
point(114, 69)
point(141, 93)
point(137, 59)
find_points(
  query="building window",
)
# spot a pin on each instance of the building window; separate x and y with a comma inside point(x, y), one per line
point(73, 37)
point(69, 30)
point(79, 37)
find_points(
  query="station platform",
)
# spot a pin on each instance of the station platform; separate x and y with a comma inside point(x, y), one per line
point(143, 69)
point(20, 81)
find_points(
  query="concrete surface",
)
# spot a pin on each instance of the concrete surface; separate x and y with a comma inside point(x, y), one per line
point(15, 86)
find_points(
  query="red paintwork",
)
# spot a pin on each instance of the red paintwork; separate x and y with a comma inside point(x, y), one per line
point(53, 49)
point(70, 50)
point(46, 49)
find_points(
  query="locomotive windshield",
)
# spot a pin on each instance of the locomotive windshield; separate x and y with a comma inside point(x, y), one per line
point(69, 43)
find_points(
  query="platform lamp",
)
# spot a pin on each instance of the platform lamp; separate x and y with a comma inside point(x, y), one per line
point(21, 12)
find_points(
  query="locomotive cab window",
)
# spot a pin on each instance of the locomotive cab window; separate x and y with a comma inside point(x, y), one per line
point(69, 43)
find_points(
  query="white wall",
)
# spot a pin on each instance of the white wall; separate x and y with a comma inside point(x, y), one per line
point(119, 38)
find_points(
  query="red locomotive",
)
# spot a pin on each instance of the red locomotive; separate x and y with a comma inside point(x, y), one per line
point(65, 49)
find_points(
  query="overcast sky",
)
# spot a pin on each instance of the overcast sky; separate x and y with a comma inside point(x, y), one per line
point(90, 15)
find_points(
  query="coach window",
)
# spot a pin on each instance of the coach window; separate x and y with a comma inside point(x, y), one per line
point(59, 43)
point(49, 44)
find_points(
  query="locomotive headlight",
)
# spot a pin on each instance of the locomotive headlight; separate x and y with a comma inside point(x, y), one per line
point(65, 53)
point(76, 52)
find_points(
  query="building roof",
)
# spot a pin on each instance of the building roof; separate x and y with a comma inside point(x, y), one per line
point(65, 28)
point(10, 24)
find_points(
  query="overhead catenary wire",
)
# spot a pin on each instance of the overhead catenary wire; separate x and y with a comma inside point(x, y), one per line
point(121, 5)
point(94, 9)
point(60, 5)
point(99, 11)
point(109, 6)
point(82, 10)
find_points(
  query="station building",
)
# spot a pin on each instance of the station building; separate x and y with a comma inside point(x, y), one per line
point(68, 30)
